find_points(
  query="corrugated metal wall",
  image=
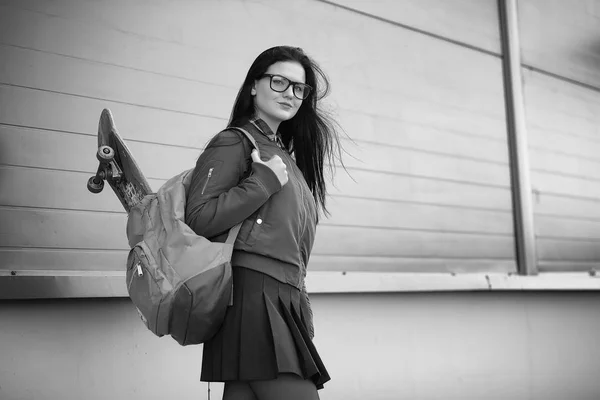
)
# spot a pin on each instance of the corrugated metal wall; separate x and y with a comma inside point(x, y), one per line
point(561, 57)
point(429, 182)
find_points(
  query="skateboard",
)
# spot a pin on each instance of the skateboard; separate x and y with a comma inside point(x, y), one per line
point(117, 166)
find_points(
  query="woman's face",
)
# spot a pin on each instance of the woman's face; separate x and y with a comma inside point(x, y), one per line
point(275, 107)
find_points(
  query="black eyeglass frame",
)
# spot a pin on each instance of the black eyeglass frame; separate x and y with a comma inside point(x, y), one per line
point(307, 88)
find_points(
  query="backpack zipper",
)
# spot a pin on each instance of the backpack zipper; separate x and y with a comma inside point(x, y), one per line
point(207, 179)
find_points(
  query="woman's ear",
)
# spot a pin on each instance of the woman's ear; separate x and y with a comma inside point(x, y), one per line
point(253, 90)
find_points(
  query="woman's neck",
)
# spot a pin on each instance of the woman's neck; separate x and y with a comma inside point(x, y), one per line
point(274, 125)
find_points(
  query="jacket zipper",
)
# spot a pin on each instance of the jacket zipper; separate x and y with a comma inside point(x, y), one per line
point(300, 188)
point(207, 179)
point(305, 212)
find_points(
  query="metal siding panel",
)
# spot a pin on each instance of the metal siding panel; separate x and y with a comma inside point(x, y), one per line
point(70, 192)
point(561, 250)
point(563, 120)
point(380, 214)
point(56, 73)
point(377, 242)
point(55, 261)
point(561, 37)
point(431, 140)
point(473, 22)
point(40, 109)
point(63, 229)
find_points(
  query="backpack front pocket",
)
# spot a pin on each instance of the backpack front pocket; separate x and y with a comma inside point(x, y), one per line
point(144, 290)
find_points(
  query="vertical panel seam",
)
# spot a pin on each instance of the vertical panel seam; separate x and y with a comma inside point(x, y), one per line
point(517, 139)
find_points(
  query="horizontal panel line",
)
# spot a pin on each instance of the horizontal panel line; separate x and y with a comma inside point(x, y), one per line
point(436, 179)
point(559, 77)
point(398, 229)
point(93, 135)
point(55, 273)
point(567, 217)
point(550, 263)
point(568, 135)
point(117, 65)
point(569, 114)
point(410, 28)
point(344, 256)
point(568, 239)
point(448, 155)
point(17, 166)
point(105, 26)
point(405, 229)
point(110, 100)
point(37, 128)
point(567, 196)
point(191, 80)
point(90, 173)
point(396, 257)
point(335, 195)
point(437, 153)
point(426, 203)
point(565, 154)
point(452, 156)
point(565, 175)
point(427, 126)
point(448, 106)
point(319, 254)
point(88, 249)
point(69, 170)
point(61, 209)
point(452, 131)
point(59, 250)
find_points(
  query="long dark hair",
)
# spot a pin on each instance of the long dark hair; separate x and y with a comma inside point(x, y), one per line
point(311, 135)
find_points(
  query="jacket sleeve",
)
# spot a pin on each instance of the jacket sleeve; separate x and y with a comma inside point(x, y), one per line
point(219, 196)
point(305, 303)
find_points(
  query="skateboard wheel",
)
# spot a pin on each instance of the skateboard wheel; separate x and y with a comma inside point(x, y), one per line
point(105, 153)
point(95, 184)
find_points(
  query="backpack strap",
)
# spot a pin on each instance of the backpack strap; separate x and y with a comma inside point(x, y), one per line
point(233, 232)
point(248, 136)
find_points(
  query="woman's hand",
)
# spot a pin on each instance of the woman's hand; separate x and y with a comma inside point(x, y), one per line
point(276, 165)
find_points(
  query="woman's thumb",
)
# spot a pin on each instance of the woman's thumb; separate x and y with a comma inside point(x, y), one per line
point(255, 156)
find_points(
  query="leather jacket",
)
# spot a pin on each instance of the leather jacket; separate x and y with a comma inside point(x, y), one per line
point(279, 222)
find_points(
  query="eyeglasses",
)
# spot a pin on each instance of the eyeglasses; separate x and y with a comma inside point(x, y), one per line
point(281, 83)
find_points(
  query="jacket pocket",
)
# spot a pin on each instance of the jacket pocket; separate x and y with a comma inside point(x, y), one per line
point(256, 225)
point(209, 177)
point(255, 229)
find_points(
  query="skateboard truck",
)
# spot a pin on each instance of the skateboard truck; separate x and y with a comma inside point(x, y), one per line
point(107, 170)
point(117, 166)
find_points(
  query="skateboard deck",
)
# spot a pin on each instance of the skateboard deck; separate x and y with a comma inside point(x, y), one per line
point(117, 166)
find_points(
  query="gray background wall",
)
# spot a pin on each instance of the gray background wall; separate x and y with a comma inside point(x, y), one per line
point(471, 346)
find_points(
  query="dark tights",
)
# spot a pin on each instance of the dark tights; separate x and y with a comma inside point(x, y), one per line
point(285, 387)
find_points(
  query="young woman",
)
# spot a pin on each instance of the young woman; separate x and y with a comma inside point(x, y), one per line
point(264, 349)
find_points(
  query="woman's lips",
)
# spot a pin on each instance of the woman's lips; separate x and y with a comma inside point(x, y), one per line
point(285, 105)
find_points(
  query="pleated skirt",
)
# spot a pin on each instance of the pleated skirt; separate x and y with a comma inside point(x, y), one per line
point(264, 334)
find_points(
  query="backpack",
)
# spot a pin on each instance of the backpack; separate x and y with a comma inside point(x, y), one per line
point(179, 282)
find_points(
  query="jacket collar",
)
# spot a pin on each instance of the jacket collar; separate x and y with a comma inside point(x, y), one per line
point(266, 130)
